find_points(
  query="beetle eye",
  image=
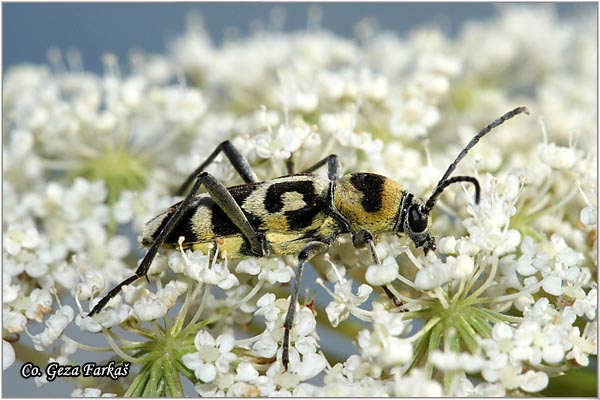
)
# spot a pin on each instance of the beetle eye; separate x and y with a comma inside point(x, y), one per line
point(417, 220)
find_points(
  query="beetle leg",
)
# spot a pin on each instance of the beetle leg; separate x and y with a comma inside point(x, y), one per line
point(310, 250)
point(362, 238)
point(290, 164)
point(224, 200)
point(236, 158)
point(334, 168)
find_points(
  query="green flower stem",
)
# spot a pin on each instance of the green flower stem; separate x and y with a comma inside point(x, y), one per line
point(152, 388)
point(116, 348)
point(494, 316)
point(171, 377)
point(136, 388)
point(452, 341)
point(420, 351)
point(182, 368)
point(466, 333)
point(189, 295)
point(435, 339)
point(479, 324)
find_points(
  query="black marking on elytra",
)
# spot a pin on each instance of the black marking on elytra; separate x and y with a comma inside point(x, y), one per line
point(302, 217)
point(183, 228)
point(274, 196)
point(273, 200)
point(221, 223)
point(372, 187)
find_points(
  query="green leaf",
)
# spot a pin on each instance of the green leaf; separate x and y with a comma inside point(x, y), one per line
point(581, 382)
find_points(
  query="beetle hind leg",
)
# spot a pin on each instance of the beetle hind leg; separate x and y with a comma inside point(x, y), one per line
point(223, 198)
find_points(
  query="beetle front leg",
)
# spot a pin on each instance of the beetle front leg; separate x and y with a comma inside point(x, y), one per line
point(310, 250)
point(363, 238)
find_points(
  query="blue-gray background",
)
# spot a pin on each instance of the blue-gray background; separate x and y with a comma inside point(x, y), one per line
point(30, 29)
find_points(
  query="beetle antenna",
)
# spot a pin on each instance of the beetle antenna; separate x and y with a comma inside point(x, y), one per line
point(445, 181)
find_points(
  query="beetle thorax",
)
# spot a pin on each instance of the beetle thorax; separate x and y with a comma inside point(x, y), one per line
point(368, 201)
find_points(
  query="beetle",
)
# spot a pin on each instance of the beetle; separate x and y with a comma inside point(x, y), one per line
point(298, 214)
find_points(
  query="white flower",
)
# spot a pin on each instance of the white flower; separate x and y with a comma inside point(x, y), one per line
point(40, 303)
point(533, 381)
point(462, 266)
point(90, 392)
point(413, 117)
point(384, 273)
point(447, 245)
point(451, 361)
point(249, 266)
point(589, 216)
point(218, 274)
point(297, 93)
point(92, 285)
point(585, 304)
point(212, 356)
point(274, 270)
point(434, 274)
point(246, 372)
point(36, 269)
point(489, 227)
point(310, 366)
point(272, 309)
point(150, 307)
point(19, 237)
point(13, 321)
point(416, 384)
point(266, 346)
point(199, 267)
point(286, 141)
point(55, 326)
point(89, 158)
point(9, 292)
point(182, 106)
point(552, 285)
point(8, 355)
point(386, 350)
point(396, 352)
point(585, 345)
point(241, 389)
point(465, 388)
point(342, 126)
point(558, 157)
point(304, 323)
point(344, 301)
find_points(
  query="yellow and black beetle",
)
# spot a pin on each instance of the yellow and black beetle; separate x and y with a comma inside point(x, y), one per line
point(299, 214)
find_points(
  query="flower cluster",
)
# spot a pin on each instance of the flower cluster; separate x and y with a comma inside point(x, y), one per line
point(506, 303)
